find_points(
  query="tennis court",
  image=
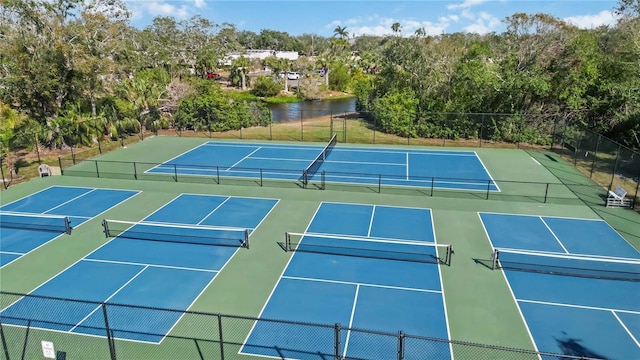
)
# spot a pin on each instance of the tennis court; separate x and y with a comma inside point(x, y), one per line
point(364, 267)
point(164, 261)
point(462, 170)
point(37, 219)
point(576, 283)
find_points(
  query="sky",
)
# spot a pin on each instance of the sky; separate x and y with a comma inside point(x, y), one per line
point(373, 17)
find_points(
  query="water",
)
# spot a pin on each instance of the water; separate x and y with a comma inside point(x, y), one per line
point(309, 109)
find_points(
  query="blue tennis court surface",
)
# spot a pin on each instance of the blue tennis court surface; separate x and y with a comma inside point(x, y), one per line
point(161, 274)
point(588, 313)
point(80, 204)
point(449, 169)
point(359, 292)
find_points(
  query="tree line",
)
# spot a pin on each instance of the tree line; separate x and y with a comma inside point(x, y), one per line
point(74, 72)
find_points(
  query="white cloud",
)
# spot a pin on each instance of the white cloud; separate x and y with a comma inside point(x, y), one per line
point(156, 8)
point(199, 3)
point(604, 17)
point(465, 4)
point(408, 27)
point(484, 23)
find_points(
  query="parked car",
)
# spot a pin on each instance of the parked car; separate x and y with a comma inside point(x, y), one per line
point(292, 75)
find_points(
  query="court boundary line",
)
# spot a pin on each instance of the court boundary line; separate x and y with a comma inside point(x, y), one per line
point(373, 215)
point(73, 264)
point(111, 296)
point(513, 295)
point(45, 189)
point(243, 159)
point(353, 312)
point(11, 252)
point(624, 326)
point(600, 220)
point(175, 157)
point(487, 170)
point(214, 277)
point(282, 276)
point(587, 307)
point(264, 306)
point(136, 192)
point(366, 163)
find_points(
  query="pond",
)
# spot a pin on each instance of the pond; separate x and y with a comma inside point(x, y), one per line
point(310, 109)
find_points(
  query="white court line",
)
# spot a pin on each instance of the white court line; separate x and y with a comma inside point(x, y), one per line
point(513, 295)
point(109, 298)
point(68, 201)
point(578, 306)
point(407, 164)
point(11, 253)
point(547, 216)
point(273, 290)
point(243, 159)
point(362, 284)
point(487, 171)
point(150, 265)
point(365, 163)
point(373, 214)
point(212, 211)
point(534, 160)
point(554, 235)
point(626, 328)
point(353, 312)
point(279, 159)
point(166, 162)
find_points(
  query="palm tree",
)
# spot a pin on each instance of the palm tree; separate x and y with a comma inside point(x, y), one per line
point(396, 27)
point(341, 31)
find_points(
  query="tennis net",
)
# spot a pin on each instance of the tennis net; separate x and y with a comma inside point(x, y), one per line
point(39, 222)
point(177, 233)
point(377, 248)
point(600, 267)
point(317, 162)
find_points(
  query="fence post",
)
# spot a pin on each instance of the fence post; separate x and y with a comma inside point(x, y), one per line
point(135, 171)
point(301, 127)
point(379, 183)
point(344, 128)
point(4, 182)
point(26, 339)
point(112, 349)
point(595, 154)
point(400, 345)
point(220, 337)
point(635, 197)
point(546, 191)
point(4, 343)
point(260, 177)
point(481, 129)
point(175, 172)
point(97, 170)
point(336, 344)
point(59, 164)
point(615, 167)
point(218, 174)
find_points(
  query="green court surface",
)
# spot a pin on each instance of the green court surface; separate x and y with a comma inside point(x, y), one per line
point(480, 307)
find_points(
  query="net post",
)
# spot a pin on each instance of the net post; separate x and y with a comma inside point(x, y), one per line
point(449, 255)
point(488, 188)
point(336, 343)
point(322, 180)
point(220, 338)
point(59, 164)
point(494, 260)
point(432, 184)
point(218, 174)
point(112, 349)
point(105, 227)
point(97, 171)
point(246, 238)
point(67, 225)
point(400, 345)
point(304, 179)
point(175, 172)
point(260, 177)
point(287, 241)
point(135, 171)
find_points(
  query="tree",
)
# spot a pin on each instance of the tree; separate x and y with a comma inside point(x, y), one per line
point(396, 28)
point(341, 32)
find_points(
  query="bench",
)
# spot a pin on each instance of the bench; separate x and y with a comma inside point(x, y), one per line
point(618, 198)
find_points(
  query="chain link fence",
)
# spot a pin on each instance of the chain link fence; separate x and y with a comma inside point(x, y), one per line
point(118, 331)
